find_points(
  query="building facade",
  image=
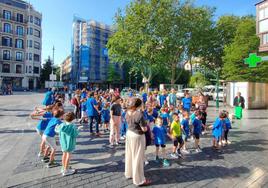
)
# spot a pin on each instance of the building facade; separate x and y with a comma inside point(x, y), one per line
point(90, 60)
point(66, 70)
point(20, 44)
point(262, 24)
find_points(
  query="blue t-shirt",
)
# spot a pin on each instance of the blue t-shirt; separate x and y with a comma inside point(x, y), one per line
point(105, 115)
point(150, 118)
point(50, 129)
point(165, 118)
point(160, 133)
point(42, 124)
point(48, 98)
point(155, 113)
point(83, 95)
point(162, 99)
point(84, 106)
point(186, 103)
point(144, 97)
point(217, 128)
point(227, 124)
point(197, 124)
point(172, 99)
point(91, 111)
point(186, 128)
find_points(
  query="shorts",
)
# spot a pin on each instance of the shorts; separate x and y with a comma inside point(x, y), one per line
point(84, 114)
point(50, 141)
point(196, 136)
point(217, 138)
point(178, 140)
point(105, 121)
point(162, 145)
point(39, 132)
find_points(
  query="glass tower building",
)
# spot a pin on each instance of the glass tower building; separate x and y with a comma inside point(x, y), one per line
point(89, 53)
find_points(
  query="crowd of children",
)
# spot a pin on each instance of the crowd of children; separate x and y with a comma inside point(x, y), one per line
point(167, 119)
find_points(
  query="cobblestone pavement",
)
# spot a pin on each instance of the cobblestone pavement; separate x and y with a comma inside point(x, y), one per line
point(243, 163)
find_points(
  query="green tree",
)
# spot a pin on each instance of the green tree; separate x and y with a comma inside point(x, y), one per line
point(245, 42)
point(198, 80)
point(46, 70)
point(113, 76)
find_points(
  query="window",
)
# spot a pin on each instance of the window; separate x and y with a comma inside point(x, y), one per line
point(36, 57)
point(37, 21)
point(31, 19)
point(30, 69)
point(19, 43)
point(26, 69)
point(6, 68)
point(263, 13)
point(263, 26)
point(6, 41)
point(7, 28)
point(19, 30)
point(36, 70)
point(29, 31)
point(265, 39)
point(37, 33)
point(18, 56)
point(6, 55)
point(18, 69)
point(29, 43)
point(7, 15)
point(19, 17)
point(30, 56)
point(26, 56)
point(37, 45)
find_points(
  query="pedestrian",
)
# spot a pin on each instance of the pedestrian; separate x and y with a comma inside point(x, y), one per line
point(159, 135)
point(92, 113)
point(123, 126)
point(76, 103)
point(217, 130)
point(185, 130)
point(115, 121)
point(201, 106)
point(49, 137)
point(172, 98)
point(49, 98)
point(105, 116)
point(68, 133)
point(135, 143)
point(239, 103)
point(197, 130)
point(187, 102)
point(176, 136)
point(226, 127)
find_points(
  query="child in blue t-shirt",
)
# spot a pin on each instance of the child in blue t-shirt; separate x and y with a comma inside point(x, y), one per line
point(83, 110)
point(150, 117)
point(159, 135)
point(197, 129)
point(165, 117)
point(124, 125)
point(49, 137)
point(105, 116)
point(217, 129)
point(43, 117)
point(185, 130)
point(226, 127)
point(187, 103)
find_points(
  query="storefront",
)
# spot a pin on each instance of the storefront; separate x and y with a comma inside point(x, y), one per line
point(15, 82)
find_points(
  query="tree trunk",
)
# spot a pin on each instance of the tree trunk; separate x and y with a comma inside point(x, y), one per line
point(173, 73)
point(191, 66)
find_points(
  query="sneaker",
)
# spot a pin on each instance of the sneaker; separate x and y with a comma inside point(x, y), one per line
point(228, 142)
point(220, 143)
point(52, 164)
point(157, 159)
point(174, 156)
point(122, 138)
point(179, 153)
point(166, 163)
point(198, 150)
point(45, 159)
point(185, 151)
point(146, 162)
point(68, 172)
point(40, 154)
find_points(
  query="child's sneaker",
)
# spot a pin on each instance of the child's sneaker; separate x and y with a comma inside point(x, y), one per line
point(122, 138)
point(45, 159)
point(185, 151)
point(157, 159)
point(52, 164)
point(174, 156)
point(179, 153)
point(228, 142)
point(166, 163)
point(146, 162)
point(40, 154)
point(68, 172)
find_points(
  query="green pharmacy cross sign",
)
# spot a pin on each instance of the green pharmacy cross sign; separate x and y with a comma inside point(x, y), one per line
point(253, 60)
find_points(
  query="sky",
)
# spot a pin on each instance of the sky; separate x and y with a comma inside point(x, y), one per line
point(57, 17)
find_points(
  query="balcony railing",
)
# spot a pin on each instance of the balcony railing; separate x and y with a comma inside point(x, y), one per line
point(14, 18)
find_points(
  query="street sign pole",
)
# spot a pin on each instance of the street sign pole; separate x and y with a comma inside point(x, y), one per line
point(217, 88)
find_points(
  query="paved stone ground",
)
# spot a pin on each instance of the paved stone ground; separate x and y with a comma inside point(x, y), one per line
point(244, 163)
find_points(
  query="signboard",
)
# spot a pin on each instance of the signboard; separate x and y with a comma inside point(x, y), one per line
point(253, 60)
point(50, 84)
point(52, 77)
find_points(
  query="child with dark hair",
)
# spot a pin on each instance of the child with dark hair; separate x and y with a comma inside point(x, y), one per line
point(217, 129)
point(68, 133)
point(226, 127)
point(105, 116)
point(49, 137)
point(197, 129)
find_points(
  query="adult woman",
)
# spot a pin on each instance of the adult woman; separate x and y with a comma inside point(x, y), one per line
point(135, 143)
point(239, 103)
point(115, 120)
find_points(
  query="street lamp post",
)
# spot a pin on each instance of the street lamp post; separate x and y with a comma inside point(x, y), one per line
point(217, 90)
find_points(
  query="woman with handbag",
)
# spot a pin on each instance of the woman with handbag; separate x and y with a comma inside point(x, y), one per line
point(239, 104)
point(135, 143)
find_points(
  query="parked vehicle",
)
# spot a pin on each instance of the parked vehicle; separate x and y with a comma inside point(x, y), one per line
point(221, 94)
point(180, 94)
point(208, 91)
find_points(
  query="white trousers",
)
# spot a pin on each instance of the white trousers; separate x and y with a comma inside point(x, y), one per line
point(134, 157)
